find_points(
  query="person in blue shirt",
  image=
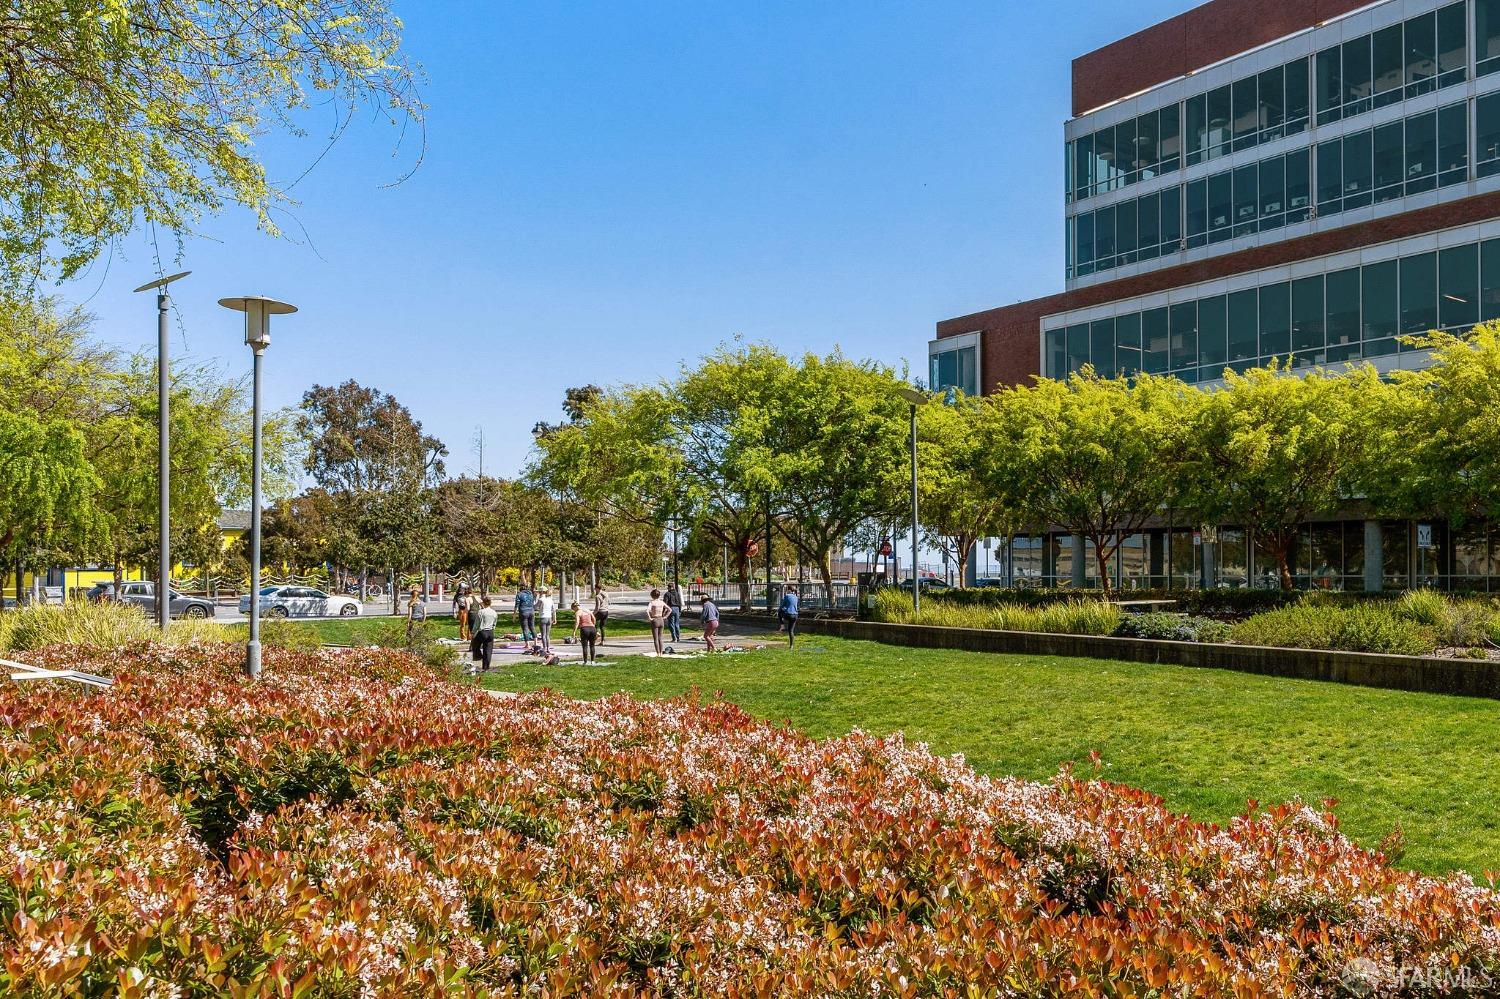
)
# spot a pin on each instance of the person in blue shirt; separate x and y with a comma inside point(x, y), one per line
point(789, 615)
point(710, 621)
point(526, 611)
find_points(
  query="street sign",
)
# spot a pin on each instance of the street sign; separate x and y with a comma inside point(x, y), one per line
point(1424, 536)
point(885, 547)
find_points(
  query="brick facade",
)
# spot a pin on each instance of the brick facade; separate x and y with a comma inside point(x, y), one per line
point(1010, 348)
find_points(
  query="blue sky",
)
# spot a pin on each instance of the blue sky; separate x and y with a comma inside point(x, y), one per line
point(611, 189)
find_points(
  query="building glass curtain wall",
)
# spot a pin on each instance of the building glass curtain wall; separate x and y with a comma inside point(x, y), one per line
point(958, 368)
point(1348, 314)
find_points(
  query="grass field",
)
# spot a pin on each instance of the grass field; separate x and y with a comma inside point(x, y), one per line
point(1206, 740)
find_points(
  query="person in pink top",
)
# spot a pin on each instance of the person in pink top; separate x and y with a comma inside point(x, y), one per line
point(586, 630)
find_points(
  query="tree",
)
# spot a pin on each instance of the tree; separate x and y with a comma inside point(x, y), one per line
point(303, 531)
point(362, 439)
point(1435, 444)
point(834, 433)
point(955, 506)
point(148, 110)
point(488, 524)
point(1272, 449)
point(1098, 457)
point(47, 486)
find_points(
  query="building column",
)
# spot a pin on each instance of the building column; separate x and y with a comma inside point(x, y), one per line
point(971, 566)
point(1374, 556)
point(1209, 570)
point(1080, 566)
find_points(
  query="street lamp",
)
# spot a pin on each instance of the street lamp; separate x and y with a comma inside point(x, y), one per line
point(163, 443)
point(914, 399)
point(258, 311)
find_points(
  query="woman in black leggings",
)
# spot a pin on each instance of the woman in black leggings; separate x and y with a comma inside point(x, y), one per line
point(585, 628)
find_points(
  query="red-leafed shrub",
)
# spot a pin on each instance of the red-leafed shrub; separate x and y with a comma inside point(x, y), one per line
point(355, 824)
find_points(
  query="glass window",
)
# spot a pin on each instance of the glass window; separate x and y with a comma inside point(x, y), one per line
point(1418, 294)
point(1105, 172)
point(1389, 167)
point(1421, 55)
point(1213, 337)
point(1078, 346)
point(1148, 226)
point(947, 369)
point(1307, 321)
point(1084, 243)
point(1379, 320)
point(1298, 185)
point(1243, 322)
point(1125, 231)
point(1155, 338)
point(1195, 110)
point(1171, 219)
point(1220, 206)
point(1343, 315)
point(1297, 83)
point(1102, 347)
point(1083, 167)
point(1357, 83)
point(1197, 213)
point(1489, 274)
point(1246, 102)
point(1421, 152)
point(1272, 192)
point(1276, 320)
point(1104, 238)
point(1330, 177)
point(1395, 548)
point(1147, 142)
point(1487, 134)
point(1128, 344)
point(1388, 63)
point(1126, 164)
point(1272, 90)
point(968, 376)
point(1219, 114)
point(1453, 144)
point(1458, 287)
point(1169, 138)
point(1246, 199)
point(1486, 36)
point(1068, 175)
point(1358, 170)
point(1452, 44)
point(1184, 336)
point(1330, 86)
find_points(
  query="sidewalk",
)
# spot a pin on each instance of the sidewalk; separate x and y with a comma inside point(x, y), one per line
point(623, 647)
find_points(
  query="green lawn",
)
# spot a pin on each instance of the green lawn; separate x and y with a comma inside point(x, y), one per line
point(1205, 740)
point(362, 630)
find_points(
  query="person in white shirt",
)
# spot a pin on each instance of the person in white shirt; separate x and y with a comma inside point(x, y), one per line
point(546, 616)
point(482, 645)
point(601, 610)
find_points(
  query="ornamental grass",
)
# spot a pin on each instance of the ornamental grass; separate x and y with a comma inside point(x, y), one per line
point(356, 825)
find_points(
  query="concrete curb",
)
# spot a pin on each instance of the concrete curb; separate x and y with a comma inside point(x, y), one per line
point(1418, 674)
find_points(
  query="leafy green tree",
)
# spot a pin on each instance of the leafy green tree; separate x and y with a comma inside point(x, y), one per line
point(1273, 449)
point(148, 111)
point(361, 439)
point(488, 524)
point(956, 507)
point(1436, 437)
point(47, 487)
point(1096, 456)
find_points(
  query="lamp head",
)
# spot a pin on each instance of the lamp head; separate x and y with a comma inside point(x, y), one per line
point(163, 282)
point(258, 311)
point(912, 396)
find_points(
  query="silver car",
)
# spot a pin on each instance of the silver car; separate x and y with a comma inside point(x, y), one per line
point(143, 596)
point(301, 601)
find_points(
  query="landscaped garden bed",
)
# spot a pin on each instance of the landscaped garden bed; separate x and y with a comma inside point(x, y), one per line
point(356, 823)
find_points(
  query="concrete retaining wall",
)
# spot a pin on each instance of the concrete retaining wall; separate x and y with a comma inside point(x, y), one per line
point(1466, 677)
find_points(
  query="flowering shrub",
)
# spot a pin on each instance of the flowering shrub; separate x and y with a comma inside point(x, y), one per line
point(354, 825)
point(1172, 627)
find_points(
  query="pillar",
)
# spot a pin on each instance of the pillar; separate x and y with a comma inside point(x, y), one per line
point(1210, 565)
point(1374, 556)
point(1080, 566)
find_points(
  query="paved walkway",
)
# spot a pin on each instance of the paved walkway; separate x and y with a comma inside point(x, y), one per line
point(625, 646)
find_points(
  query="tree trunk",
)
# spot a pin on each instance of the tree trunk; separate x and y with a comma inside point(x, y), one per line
point(825, 569)
point(742, 575)
point(1105, 577)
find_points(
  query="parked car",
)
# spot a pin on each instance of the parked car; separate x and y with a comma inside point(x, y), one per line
point(929, 583)
point(991, 582)
point(100, 593)
point(301, 601)
point(142, 595)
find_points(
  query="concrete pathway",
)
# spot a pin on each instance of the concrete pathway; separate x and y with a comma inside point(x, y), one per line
point(626, 646)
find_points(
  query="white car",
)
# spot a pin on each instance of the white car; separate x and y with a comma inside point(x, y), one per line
point(301, 601)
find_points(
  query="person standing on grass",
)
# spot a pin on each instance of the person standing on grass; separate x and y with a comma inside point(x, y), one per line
point(674, 605)
point(710, 616)
point(789, 614)
point(482, 645)
point(526, 613)
point(546, 617)
point(461, 612)
point(601, 609)
point(585, 630)
point(416, 614)
point(657, 613)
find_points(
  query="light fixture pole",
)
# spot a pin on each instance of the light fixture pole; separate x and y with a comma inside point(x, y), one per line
point(914, 399)
point(164, 449)
point(258, 311)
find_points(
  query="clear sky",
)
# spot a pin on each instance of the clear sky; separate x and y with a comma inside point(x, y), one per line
point(611, 189)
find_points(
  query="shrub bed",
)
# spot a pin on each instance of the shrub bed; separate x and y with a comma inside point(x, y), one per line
point(354, 825)
point(1073, 617)
point(1172, 628)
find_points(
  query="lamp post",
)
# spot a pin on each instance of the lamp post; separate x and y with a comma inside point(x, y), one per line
point(914, 399)
point(258, 311)
point(164, 448)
